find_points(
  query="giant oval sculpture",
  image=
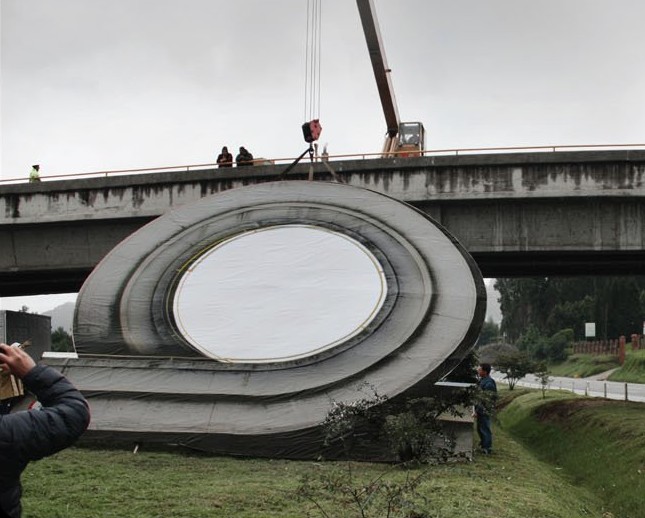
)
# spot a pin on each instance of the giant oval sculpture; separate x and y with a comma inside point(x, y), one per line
point(233, 323)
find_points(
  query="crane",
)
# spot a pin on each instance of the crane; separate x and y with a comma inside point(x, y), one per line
point(402, 138)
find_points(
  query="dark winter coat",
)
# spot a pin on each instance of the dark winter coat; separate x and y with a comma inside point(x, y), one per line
point(244, 158)
point(486, 384)
point(225, 160)
point(34, 434)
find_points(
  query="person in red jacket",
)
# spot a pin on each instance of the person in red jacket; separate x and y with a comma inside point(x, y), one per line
point(33, 434)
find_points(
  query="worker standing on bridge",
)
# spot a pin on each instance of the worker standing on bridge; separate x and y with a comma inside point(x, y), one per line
point(225, 159)
point(34, 175)
point(244, 157)
point(325, 154)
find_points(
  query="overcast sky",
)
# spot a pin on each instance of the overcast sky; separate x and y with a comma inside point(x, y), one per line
point(92, 85)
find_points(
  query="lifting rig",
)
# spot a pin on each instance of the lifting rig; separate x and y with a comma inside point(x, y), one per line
point(402, 138)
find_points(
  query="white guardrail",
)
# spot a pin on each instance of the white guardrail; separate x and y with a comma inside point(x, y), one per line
point(593, 388)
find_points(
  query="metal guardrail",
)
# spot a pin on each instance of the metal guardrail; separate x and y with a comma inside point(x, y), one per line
point(615, 390)
point(357, 156)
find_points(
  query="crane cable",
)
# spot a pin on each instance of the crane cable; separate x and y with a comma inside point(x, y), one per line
point(313, 60)
point(311, 129)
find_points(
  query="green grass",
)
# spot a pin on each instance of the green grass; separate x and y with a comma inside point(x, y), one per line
point(83, 483)
point(584, 365)
point(599, 443)
point(564, 456)
point(633, 371)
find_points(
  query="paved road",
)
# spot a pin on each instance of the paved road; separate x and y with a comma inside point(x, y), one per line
point(593, 388)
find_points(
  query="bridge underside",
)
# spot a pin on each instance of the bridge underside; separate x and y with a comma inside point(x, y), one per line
point(536, 264)
point(506, 240)
point(491, 264)
point(39, 259)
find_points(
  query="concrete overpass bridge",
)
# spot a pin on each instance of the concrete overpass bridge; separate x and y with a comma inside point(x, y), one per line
point(518, 214)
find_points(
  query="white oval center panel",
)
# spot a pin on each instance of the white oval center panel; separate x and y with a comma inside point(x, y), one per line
point(278, 293)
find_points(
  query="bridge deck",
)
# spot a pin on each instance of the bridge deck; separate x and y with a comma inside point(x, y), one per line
point(562, 213)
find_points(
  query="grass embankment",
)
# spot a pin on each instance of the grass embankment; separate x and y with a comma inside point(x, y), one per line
point(83, 483)
point(584, 365)
point(633, 371)
point(599, 443)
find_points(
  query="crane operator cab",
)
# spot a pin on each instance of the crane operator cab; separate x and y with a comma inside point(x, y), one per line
point(412, 139)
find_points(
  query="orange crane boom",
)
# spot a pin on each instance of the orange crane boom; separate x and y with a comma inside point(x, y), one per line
point(402, 139)
point(379, 65)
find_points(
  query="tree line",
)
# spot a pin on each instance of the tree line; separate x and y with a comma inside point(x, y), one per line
point(544, 306)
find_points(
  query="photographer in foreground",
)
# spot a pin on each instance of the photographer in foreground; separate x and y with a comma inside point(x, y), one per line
point(33, 434)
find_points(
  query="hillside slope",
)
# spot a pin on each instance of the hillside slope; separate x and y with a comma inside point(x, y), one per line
point(599, 443)
point(62, 316)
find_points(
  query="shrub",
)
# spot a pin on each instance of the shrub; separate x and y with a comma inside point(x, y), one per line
point(380, 497)
point(410, 429)
point(350, 423)
point(558, 345)
point(514, 365)
point(539, 347)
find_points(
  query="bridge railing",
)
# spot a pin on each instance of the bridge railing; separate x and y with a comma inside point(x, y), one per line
point(355, 156)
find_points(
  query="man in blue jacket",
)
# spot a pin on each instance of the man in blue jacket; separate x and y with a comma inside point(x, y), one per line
point(34, 434)
point(484, 409)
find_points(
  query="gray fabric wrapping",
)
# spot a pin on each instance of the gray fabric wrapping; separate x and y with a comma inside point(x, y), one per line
point(146, 382)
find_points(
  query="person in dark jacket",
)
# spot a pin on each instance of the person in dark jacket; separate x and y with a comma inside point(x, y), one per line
point(243, 157)
point(33, 434)
point(483, 411)
point(225, 159)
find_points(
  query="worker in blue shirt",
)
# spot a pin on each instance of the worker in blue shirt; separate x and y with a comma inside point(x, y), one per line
point(483, 410)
